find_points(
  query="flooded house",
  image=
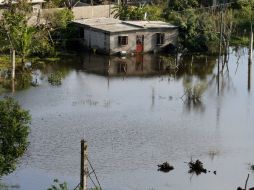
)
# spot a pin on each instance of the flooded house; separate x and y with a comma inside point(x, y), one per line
point(113, 36)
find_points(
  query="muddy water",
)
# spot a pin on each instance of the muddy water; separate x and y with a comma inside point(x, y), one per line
point(134, 116)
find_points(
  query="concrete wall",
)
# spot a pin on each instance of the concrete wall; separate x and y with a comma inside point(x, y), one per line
point(149, 40)
point(82, 12)
point(86, 11)
point(92, 11)
point(96, 40)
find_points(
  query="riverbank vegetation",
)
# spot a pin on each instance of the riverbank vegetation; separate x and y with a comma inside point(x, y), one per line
point(199, 24)
point(31, 40)
point(14, 123)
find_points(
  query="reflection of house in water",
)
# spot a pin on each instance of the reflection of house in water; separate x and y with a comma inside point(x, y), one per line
point(111, 36)
point(137, 65)
point(145, 65)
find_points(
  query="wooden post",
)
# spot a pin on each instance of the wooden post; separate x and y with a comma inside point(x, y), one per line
point(13, 63)
point(251, 46)
point(220, 48)
point(249, 76)
point(84, 165)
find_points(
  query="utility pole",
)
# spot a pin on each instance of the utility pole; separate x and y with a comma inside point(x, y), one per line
point(84, 165)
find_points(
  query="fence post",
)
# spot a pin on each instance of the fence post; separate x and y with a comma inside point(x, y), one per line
point(84, 165)
point(13, 63)
point(251, 46)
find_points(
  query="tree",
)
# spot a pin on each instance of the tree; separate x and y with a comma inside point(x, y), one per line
point(125, 12)
point(179, 5)
point(196, 30)
point(121, 11)
point(17, 34)
point(59, 27)
point(14, 130)
point(244, 16)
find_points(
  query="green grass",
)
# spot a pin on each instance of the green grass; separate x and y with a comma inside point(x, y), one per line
point(239, 41)
point(5, 61)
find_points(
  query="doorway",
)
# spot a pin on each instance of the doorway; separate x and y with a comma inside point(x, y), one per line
point(139, 43)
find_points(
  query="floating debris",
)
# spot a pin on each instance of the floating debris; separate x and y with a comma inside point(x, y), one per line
point(252, 167)
point(165, 167)
point(196, 167)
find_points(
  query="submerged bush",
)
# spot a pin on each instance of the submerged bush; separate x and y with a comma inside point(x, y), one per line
point(55, 79)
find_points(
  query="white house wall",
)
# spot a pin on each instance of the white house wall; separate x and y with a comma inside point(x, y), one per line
point(149, 40)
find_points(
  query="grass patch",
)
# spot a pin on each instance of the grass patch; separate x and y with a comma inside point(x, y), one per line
point(239, 41)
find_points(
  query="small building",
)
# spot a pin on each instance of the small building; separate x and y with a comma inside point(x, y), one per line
point(112, 36)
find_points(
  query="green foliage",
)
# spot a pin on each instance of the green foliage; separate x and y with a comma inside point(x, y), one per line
point(55, 79)
point(179, 5)
point(239, 41)
point(14, 130)
point(154, 12)
point(244, 15)
point(61, 18)
point(62, 31)
point(17, 34)
point(125, 12)
point(196, 31)
point(121, 11)
point(58, 186)
point(23, 80)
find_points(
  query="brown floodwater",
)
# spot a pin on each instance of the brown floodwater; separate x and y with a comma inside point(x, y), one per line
point(134, 112)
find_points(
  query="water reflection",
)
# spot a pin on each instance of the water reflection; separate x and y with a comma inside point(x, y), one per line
point(140, 121)
point(249, 76)
point(149, 64)
point(139, 65)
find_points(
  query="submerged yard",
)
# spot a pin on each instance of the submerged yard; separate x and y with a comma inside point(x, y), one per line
point(135, 114)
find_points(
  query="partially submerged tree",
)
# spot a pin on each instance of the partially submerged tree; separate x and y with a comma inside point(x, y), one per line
point(17, 34)
point(59, 27)
point(196, 31)
point(14, 130)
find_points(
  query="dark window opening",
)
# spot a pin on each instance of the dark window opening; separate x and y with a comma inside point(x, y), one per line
point(123, 40)
point(160, 38)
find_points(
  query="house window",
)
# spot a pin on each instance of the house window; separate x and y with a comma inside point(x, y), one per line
point(160, 38)
point(123, 40)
